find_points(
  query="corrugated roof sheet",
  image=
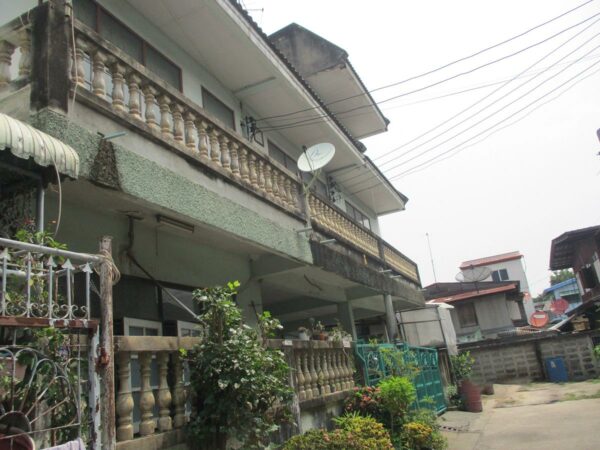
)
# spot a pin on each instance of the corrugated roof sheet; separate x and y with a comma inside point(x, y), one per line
point(491, 259)
point(474, 294)
point(26, 142)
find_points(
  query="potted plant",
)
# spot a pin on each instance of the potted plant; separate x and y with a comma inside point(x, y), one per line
point(303, 334)
point(462, 365)
point(338, 334)
point(318, 331)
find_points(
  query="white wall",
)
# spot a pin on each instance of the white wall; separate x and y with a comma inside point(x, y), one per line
point(516, 272)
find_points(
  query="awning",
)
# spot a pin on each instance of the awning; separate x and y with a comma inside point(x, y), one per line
point(26, 142)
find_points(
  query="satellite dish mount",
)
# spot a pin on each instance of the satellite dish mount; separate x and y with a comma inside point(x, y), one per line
point(312, 160)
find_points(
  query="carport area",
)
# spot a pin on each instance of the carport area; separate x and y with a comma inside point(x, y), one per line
point(536, 416)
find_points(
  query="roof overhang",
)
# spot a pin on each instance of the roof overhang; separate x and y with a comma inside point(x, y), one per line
point(25, 142)
point(562, 251)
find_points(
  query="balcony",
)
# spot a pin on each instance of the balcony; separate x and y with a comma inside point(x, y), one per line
point(107, 80)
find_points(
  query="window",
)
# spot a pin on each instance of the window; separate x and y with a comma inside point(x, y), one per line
point(318, 187)
point(281, 157)
point(218, 109)
point(500, 275)
point(187, 329)
point(113, 30)
point(466, 315)
point(588, 277)
point(358, 216)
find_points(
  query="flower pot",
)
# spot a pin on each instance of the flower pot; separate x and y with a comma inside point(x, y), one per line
point(488, 389)
point(303, 336)
point(471, 395)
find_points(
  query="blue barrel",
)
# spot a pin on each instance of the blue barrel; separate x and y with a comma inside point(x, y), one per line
point(556, 370)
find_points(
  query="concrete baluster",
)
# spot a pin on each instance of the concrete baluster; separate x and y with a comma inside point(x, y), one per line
point(147, 401)
point(164, 393)
point(124, 404)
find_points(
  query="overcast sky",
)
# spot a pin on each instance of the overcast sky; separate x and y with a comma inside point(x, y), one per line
point(517, 189)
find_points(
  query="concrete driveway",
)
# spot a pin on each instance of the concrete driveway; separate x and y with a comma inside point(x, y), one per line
point(539, 416)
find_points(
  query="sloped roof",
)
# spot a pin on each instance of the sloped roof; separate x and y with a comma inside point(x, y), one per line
point(502, 257)
point(563, 247)
point(476, 293)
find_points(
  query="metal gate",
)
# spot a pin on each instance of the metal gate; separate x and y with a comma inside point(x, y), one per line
point(428, 381)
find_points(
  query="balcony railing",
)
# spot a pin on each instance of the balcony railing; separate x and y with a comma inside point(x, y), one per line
point(335, 222)
point(162, 398)
point(15, 53)
point(320, 368)
point(129, 90)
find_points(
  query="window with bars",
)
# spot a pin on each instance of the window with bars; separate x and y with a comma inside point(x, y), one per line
point(358, 215)
point(110, 28)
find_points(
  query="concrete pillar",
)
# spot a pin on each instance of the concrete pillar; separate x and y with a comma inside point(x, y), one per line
point(249, 299)
point(390, 317)
point(346, 316)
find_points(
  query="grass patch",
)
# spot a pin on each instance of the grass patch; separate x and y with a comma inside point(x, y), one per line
point(579, 396)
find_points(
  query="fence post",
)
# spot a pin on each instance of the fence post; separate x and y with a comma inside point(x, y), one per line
point(107, 361)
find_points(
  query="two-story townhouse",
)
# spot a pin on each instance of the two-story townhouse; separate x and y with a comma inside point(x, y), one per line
point(164, 122)
point(505, 267)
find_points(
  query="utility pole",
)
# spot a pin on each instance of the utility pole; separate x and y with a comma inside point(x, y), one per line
point(431, 256)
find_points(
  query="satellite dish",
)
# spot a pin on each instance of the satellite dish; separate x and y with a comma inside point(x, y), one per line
point(316, 157)
point(473, 274)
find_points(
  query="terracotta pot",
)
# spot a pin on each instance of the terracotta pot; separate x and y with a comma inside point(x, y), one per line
point(488, 389)
point(471, 395)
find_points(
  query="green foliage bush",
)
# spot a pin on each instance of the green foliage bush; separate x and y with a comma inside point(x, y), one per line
point(397, 394)
point(366, 401)
point(236, 379)
point(354, 432)
point(462, 365)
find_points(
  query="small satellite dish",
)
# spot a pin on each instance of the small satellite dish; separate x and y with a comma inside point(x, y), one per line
point(473, 274)
point(316, 157)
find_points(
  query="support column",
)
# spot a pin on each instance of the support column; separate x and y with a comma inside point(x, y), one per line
point(346, 316)
point(390, 318)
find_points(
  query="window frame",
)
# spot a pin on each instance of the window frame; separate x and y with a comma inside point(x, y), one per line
point(204, 92)
point(461, 319)
point(499, 274)
point(98, 26)
point(353, 215)
point(286, 157)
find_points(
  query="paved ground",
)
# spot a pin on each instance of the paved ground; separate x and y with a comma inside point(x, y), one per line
point(538, 416)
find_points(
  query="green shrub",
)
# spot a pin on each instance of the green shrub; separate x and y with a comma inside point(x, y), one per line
point(366, 401)
point(462, 365)
point(354, 433)
point(397, 394)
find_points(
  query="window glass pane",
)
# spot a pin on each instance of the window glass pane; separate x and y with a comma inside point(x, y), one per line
point(276, 153)
point(151, 331)
point(85, 11)
point(466, 315)
point(161, 66)
point(136, 331)
point(120, 35)
point(495, 276)
point(503, 274)
point(218, 109)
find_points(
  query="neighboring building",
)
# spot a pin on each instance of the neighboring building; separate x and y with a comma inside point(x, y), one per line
point(481, 310)
point(568, 290)
point(505, 267)
point(171, 130)
point(579, 250)
point(431, 326)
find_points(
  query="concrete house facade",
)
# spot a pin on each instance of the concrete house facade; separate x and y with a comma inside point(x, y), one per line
point(179, 127)
point(480, 310)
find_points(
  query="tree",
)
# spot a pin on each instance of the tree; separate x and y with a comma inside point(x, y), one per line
point(558, 276)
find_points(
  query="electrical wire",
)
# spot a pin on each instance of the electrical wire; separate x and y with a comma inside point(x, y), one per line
point(480, 110)
point(465, 58)
point(501, 128)
point(397, 176)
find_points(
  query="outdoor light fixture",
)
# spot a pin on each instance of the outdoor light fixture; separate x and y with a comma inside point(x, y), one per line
point(184, 226)
point(385, 270)
point(304, 230)
point(396, 276)
point(327, 241)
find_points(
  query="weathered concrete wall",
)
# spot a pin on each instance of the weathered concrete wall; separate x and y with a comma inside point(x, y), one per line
point(150, 182)
point(522, 358)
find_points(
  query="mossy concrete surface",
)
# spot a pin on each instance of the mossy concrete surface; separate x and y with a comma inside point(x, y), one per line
point(149, 182)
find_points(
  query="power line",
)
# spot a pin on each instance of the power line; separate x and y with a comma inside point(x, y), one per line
point(502, 128)
point(479, 111)
point(487, 129)
point(436, 69)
